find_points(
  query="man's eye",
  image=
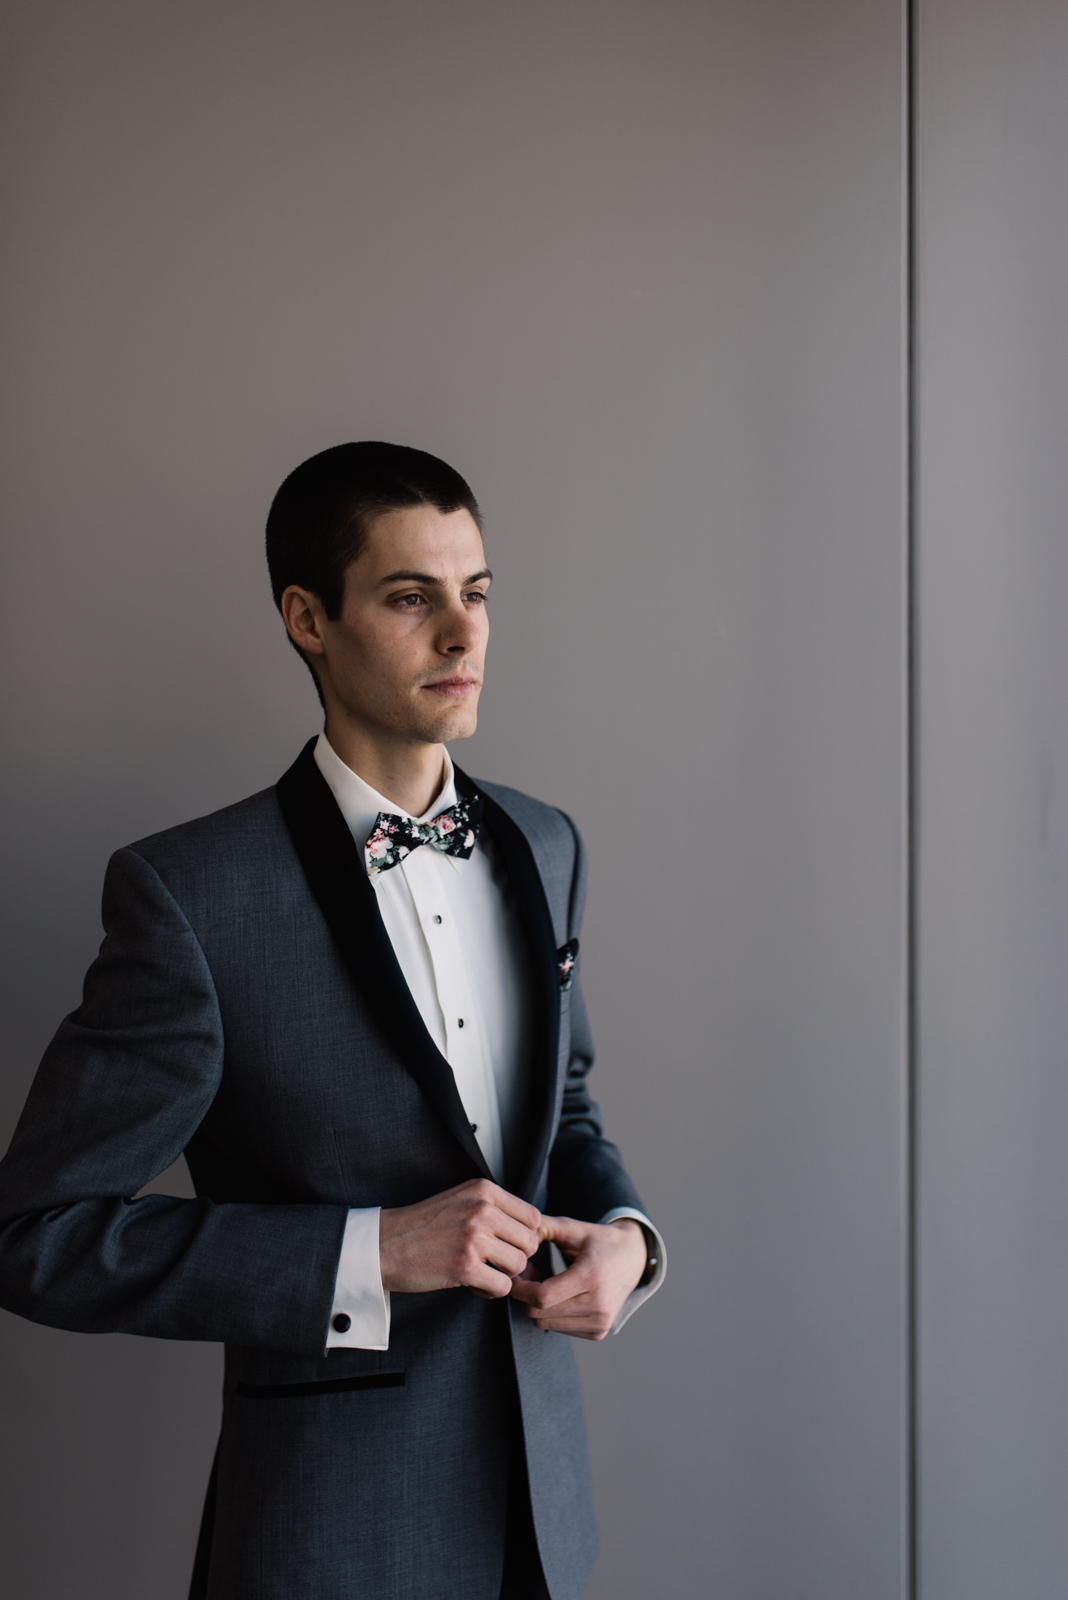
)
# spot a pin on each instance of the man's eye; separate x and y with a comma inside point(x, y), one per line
point(477, 595)
point(410, 601)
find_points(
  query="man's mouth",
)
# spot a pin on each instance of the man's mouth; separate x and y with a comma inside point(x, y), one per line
point(453, 688)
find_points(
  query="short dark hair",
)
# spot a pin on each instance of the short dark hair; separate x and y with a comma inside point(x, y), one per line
point(319, 519)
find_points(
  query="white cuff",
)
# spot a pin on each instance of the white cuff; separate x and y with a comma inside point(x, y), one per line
point(638, 1297)
point(358, 1291)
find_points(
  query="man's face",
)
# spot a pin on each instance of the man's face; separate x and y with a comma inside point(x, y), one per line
point(405, 657)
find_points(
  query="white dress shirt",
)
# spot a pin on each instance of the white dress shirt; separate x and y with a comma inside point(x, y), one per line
point(461, 951)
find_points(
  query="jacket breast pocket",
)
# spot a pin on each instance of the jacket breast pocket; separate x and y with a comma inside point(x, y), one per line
point(339, 1385)
point(270, 1375)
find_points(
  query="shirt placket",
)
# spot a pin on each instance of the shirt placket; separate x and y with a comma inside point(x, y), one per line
point(426, 873)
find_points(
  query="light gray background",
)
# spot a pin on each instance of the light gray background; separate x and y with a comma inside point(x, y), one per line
point(993, 833)
point(638, 270)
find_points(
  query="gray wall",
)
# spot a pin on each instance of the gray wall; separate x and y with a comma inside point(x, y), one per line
point(993, 835)
point(637, 269)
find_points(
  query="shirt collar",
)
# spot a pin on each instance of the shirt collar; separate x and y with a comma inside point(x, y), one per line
point(360, 804)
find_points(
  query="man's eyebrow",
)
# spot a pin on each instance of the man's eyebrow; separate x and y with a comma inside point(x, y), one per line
point(405, 576)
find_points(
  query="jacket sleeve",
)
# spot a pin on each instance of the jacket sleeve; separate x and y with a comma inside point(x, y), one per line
point(587, 1178)
point(121, 1090)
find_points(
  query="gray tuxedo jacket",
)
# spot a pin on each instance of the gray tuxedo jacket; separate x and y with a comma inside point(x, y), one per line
point(247, 1008)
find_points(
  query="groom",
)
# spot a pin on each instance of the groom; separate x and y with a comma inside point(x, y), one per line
point(352, 1001)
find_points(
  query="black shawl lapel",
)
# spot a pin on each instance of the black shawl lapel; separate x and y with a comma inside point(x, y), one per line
point(338, 879)
point(522, 870)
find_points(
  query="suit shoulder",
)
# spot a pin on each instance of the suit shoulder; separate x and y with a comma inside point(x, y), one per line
point(251, 830)
point(536, 818)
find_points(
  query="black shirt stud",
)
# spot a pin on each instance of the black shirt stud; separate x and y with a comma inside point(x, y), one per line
point(342, 1322)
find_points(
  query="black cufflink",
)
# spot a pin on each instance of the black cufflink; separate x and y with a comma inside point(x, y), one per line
point(342, 1322)
point(652, 1259)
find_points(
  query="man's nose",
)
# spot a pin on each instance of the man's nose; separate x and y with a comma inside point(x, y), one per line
point(459, 632)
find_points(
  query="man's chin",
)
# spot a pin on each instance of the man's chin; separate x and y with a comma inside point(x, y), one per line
point(451, 722)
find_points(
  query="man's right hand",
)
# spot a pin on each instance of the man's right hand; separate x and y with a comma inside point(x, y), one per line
point(476, 1236)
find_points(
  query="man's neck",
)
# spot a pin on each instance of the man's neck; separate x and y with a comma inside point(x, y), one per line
point(411, 775)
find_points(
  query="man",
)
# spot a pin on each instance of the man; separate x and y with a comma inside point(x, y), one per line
point(352, 1001)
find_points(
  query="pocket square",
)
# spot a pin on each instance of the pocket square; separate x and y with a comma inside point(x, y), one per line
point(566, 957)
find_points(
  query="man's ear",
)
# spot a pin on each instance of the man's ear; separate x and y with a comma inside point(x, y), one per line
point(302, 613)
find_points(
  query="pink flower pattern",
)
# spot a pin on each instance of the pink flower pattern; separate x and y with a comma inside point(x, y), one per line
point(452, 831)
point(566, 961)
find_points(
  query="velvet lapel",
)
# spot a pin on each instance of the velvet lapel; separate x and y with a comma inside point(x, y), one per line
point(337, 877)
point(522, 870)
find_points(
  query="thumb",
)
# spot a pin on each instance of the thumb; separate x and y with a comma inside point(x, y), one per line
point(564, 1232)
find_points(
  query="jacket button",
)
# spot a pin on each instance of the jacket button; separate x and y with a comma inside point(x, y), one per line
point(342, 1322)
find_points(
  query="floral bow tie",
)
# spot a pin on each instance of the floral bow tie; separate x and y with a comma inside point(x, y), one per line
point(453, 832)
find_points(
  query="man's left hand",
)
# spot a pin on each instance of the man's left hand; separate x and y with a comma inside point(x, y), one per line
point(605, 1261)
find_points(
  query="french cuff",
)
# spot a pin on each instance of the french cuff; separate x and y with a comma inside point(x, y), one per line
point(638, 1297)
point(359, 1316)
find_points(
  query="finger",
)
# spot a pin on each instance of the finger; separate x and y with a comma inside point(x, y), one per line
point(486, 1190)
point(595, 1335)
point(488, 1282)
point(575, 1281)
point(591, 1314)
point(528, 1290)
point(588, 1310)
point(581, 1306)
point(481, 1248)
point(570, 1311)
point(526, 1283)
point(565, 1232)
point(545, 1299)
point(503, 1226)
point(482, 1210)
point(580, 1278)
point(504, 1257)
point(510, 1204)
point(590, 1326)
